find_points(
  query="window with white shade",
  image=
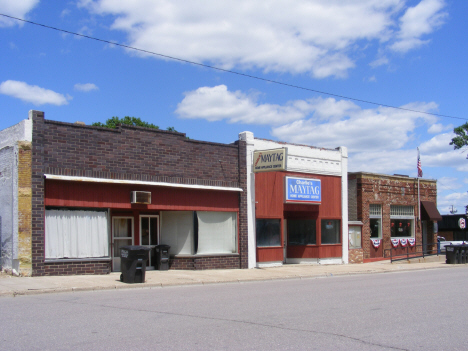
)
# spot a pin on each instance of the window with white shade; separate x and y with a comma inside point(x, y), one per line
point(199, 233)
point(217, 232)
point(177, 231)
point(76, 234)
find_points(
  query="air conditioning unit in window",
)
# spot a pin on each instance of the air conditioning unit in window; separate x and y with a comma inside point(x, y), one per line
point(140, 197)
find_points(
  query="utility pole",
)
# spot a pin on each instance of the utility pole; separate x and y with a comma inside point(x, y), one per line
point(453, 210)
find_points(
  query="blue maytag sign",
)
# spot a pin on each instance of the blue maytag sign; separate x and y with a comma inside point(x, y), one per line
point(303, 189)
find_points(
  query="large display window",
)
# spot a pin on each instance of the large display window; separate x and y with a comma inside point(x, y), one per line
point(76, 234)
point(268, 232)
point(302, 232)
point(199, 233)
point(402, 221)
point(330, 231)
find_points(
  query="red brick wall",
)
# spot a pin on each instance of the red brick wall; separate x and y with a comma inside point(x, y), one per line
point(72, 268)
point(200, 263)
point(387, 191)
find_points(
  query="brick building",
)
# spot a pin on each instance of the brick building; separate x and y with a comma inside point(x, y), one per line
point(74, 194)
point(384, 214)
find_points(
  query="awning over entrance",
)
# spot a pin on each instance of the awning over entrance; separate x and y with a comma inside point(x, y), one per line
point(430, 212)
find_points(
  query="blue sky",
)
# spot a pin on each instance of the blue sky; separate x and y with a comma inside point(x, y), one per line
point(402, 53)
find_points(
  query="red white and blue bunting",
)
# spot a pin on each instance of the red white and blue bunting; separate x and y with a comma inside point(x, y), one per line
point(395, 242)
point(375, 243)
point(403, 242)
point(411, 242)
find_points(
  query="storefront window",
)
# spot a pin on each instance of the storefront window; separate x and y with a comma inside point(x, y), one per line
point(268, 232)
point(402, 221)
point(375, 221)
point(354, 237)
point(330, 231)
point(401, 227)
point(76, 234)
point(375, 228)
point(302, 232)
point(199, 233)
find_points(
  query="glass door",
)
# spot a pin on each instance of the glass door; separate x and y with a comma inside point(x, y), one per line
point(122, 235)
point(149, 236)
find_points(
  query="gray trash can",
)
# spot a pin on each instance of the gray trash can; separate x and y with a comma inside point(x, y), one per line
point(133, 263)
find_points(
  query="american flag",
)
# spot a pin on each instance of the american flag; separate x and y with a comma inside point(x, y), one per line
point(420, 172)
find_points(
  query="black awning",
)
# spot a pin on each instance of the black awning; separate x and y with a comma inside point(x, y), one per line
point(430, 212)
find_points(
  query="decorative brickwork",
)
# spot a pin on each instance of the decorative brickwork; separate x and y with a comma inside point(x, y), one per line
point(386, 190)
point(131, 153)
point(356, 256)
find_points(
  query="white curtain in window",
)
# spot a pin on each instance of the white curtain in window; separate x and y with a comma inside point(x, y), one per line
point(76, 234)
point(217, 232)
point(177, 231)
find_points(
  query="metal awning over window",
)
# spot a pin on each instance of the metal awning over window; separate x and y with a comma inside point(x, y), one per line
point(429, 211)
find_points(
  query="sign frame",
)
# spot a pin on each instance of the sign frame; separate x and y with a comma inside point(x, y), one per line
point(271, 160)
point(307, 190)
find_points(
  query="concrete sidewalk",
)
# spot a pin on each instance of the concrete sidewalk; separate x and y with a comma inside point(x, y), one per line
point(12, 286)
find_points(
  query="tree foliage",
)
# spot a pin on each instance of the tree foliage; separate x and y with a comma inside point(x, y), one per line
point(131, 121)
point(461, 139)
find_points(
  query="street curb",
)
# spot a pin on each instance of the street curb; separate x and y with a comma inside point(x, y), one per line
point(124, 286)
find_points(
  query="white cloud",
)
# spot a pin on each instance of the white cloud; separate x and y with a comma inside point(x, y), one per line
point(360, 130)
point(438, 128)
point(217, 103)
point(379, 62)
point(15, 8)
point(316, 121)
point(32, 93)
point(437, 144)
point(457, 200)
point(417, 21)
point(85, 87)
point(318, 37)
point(380, 139)
point(451, 183)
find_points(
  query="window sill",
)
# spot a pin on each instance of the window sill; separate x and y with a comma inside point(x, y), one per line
point(68, 260)
point(205, 255)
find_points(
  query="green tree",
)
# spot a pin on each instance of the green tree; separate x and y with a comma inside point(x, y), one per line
point(461, 139)
point(131, 121)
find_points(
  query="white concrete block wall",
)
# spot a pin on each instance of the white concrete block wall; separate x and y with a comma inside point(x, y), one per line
point(7, 218)
point(9, 138)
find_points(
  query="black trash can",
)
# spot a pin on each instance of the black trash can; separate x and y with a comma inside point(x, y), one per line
point(451, 254)
point(162, 257)
point(133, 263)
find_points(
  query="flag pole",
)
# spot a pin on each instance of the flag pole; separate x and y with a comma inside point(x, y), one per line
point(419, 200)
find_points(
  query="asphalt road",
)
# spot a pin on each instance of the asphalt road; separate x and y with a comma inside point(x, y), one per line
point(418, 310)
